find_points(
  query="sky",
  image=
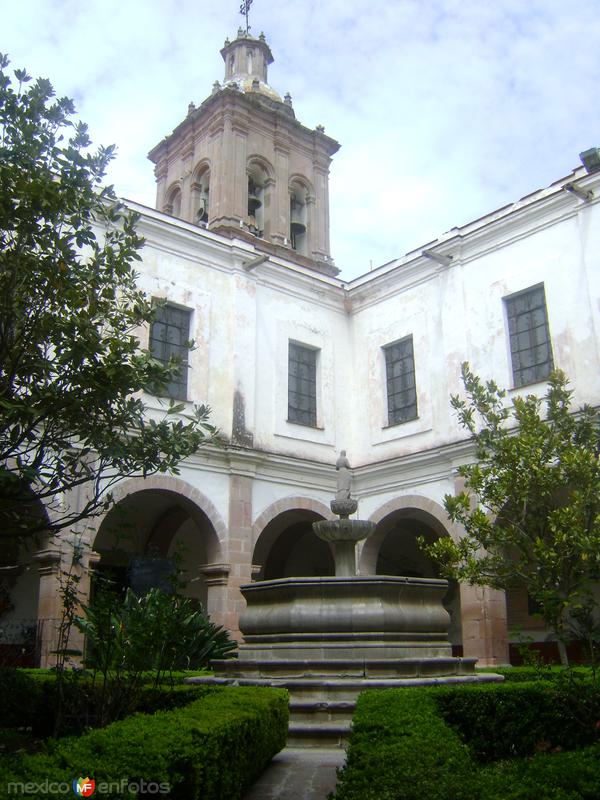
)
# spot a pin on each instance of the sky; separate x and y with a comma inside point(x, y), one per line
point(445, 109)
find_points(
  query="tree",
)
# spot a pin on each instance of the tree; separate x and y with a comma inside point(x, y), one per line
point(72, 418)
point(531, 504)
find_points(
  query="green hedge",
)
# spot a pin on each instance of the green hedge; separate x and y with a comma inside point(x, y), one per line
point(28, 700)
point(401, 749)
point(552, 776)
point(213, 748)
point(506, 720)
point(545, 672)
point(402, 746)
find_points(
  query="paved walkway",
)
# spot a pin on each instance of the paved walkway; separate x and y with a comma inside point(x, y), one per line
point(301, 773)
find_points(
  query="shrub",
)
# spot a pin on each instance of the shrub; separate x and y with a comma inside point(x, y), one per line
point(29, 698)
point(213, 748)
point(402, 746)
point(514, 719)
point(401, 749)
point(551, 776)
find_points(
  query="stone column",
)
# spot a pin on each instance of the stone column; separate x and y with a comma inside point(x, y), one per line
point(49, 604)
point(216, 579)
point(483, 619)
point(484, 629)
point(280, 230)
point(239, 543)
point(84, 571)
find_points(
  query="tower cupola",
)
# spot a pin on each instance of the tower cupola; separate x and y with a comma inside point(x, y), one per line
point(241, 164)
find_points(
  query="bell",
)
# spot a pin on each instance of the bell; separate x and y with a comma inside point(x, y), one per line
point(297, 223)
point(254, 200)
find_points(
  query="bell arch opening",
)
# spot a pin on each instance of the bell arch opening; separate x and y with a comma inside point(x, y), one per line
point(299, 223)
point(200, 191)
point(173, 204)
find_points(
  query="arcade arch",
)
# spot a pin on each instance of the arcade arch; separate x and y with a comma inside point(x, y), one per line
point(154, 534)
point(286, 545)
point(393, 549)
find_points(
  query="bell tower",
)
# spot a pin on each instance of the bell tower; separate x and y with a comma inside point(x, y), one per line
point(241, 163)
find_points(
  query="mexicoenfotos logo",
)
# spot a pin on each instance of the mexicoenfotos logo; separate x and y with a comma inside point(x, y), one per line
point(84, 787)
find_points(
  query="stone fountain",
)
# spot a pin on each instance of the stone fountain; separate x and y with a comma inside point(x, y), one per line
point(326, 639)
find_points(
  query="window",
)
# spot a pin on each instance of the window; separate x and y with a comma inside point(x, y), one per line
point(401, 387)
point(530, 348)
point(302, 384)
point(169, 336)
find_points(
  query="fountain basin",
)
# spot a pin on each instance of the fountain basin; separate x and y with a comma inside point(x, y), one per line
point(372, 617)
point(343, 530)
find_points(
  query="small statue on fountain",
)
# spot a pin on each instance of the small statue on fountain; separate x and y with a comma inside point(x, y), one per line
point(344, 477)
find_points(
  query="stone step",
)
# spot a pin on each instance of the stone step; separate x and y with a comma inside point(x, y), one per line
point(302, 712)
point(345, 668)
point(318, 735)
point(329, 689)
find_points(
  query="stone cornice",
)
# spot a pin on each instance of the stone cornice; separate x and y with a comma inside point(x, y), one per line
point(275, 115)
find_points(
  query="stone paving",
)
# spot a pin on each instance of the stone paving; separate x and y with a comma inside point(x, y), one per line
point(299, 773)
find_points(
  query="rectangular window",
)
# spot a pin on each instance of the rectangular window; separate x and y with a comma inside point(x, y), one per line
point(530, 347)
point(401, 386)
point(302, 384)
point(169, 336)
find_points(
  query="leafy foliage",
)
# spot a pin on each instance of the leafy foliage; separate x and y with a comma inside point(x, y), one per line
point(212, 748)
point(71, 368)
point(402, 746)
point(157, 633)
point(536, 521)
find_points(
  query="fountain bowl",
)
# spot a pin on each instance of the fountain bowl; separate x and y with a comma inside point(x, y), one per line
point(343, 530)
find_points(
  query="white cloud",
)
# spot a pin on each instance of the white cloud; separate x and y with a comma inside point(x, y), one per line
point(445, 110)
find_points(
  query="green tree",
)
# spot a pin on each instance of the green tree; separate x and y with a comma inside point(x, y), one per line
point(531, 504)
point(72, 418)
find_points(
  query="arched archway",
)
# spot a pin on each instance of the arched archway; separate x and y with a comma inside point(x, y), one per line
point(393, 548)
point(159, 530)
point(286, 545)
point(173, 202)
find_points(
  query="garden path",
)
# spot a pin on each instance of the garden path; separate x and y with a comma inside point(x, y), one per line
point(299, 773)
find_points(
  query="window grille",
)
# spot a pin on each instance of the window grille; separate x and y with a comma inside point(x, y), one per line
point(302, 384)
point(169, 336)
point(401, 386)
point(530, 346)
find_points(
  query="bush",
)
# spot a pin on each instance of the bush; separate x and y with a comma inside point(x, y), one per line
point(553, 776)
point(514, 719)
point(213, 748)
point(29, 699)
point(403, 747)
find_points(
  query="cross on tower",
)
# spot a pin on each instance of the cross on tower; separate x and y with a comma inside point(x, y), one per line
point(244, 8)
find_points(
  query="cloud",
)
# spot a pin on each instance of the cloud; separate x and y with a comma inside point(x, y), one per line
point(445, 110)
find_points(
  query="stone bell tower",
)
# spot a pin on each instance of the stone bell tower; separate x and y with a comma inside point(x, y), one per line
point(241, 164)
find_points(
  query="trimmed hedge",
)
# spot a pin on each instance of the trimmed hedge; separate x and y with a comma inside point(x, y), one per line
point(401, 749)
point(545, 672)
point(514, 719)
point(402, 746)
point(28, 700)
point(551, 776)
point(213, 748)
